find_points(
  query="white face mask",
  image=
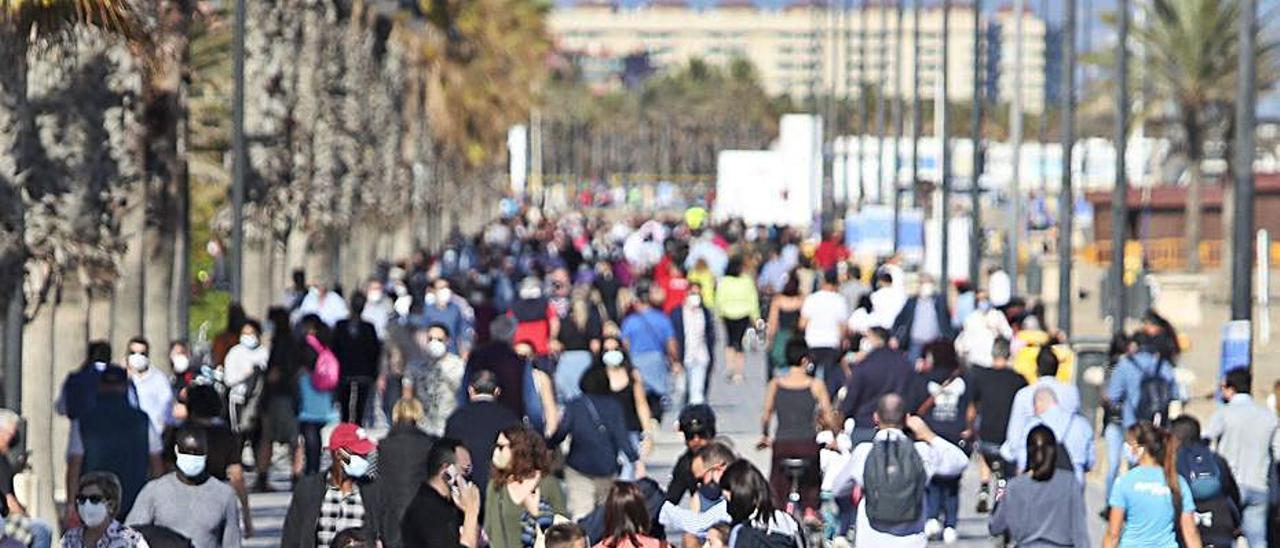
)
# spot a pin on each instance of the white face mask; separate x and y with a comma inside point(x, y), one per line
point(249, 341)
point(92, 514)
point(443, 295)
point(436, 349)
point(402, 305)
point(180, 362)
point(612, 358)
point(139, 362)
point(694, 301)
point(374, 295)
point(356, 467)
point(927, 290)
point(190, 465)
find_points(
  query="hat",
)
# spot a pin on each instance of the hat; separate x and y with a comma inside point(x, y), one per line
point(352, 438)
point(698, 419)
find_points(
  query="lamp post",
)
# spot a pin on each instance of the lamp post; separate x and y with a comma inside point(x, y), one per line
point(1066, 198)
point(1242, 231)
point(1120, 193)
point(238, 159)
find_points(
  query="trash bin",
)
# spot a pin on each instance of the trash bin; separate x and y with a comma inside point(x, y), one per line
point(1091, 352)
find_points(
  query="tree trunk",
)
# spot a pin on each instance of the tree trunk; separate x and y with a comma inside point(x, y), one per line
point(15, 126)
point(1195, 183)
point(38, 385)
point(128, 300)
point(71, 336)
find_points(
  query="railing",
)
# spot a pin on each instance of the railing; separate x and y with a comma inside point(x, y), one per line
point(1164, 254)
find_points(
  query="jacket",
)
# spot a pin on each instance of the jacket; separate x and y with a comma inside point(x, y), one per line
point(477, 424)
point(303, 517)
point(599, 432)
point(402, 469)
point(677, 324)
point(907, 316)
point(502, 523)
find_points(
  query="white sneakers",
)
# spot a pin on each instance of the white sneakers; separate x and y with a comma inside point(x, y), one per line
point(933, 527)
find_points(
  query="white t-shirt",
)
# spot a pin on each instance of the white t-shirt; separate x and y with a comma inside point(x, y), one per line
point(999, 288)
point(826, 312)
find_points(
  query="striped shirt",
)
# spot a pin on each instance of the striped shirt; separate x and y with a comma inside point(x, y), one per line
point(338, 512)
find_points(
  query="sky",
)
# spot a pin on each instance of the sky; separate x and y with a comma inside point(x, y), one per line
point(1268, 12)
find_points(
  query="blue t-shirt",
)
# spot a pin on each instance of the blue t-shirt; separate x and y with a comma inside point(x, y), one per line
point(1148, 508)
point(647, 331)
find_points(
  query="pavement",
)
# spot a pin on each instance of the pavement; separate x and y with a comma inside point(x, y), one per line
point(738, 409)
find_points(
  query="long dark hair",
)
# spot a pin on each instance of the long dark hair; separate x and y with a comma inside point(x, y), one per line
point(529, 455)
point(1164, 448)
point(749, 494)
point(1042, 453)
point(626, 516)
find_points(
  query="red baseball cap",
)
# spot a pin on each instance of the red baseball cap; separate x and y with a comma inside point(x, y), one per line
point(352, 438)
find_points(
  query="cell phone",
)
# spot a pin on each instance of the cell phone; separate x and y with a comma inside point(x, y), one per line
point(454, 478)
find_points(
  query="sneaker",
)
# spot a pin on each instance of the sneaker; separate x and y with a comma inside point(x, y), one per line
point(984, 500)
point(949, 535)
point(932, 528)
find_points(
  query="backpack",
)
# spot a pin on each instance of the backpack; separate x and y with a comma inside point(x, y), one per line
point(1199, 466)
point(893, 482)
point(325, 375)
point(746, 536)
point(1063, 460)
point(1154, 395)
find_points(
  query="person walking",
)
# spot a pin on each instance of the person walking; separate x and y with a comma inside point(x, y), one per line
point(783, 324)
point(445, 512)
point(1071, 430)
point(279, 417)
point(627, 522)
point(1041, 506)
point(627, 387)
point(695, 334)
point(698, 425)
point(595, 422)
point(739, 306)
point(478, 423)
point(577, 343)
point(802, 406)
point(315, 406)
point(344, 497)
point(940, 395)
point(151, 387)
point(358, 348)
point(437, 380)
point(883, 370)
point(224, 446)
point(891, 512)
point(97, 500)
point(1245, 434)
point(1213, 486)
point(403, 464)
point(15, 515)
point(521, 485)
point(1066, 395)
point(991, 400)
point(115, 437)
point(755, 519)
point(1150, 505)
point(650, 340)
point(190, 501)
point(823, 317)
point(242, 373)
point(923, 319)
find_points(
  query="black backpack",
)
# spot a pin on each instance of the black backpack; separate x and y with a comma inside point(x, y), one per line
point(893, 482)
point(1063, 460)
point(750, 537)
point(1154, 395)
point(1199, 466)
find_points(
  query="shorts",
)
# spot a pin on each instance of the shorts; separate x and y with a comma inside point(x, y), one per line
point(736, 329)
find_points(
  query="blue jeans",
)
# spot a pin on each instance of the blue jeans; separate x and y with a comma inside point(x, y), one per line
point(653, 370)
point(942, 499)
point(1114, 435)
point(1253, 513)
point(569, 372)
point(41, 533)
point(628, 471)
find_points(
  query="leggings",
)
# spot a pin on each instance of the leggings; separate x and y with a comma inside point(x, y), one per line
point(311, 444)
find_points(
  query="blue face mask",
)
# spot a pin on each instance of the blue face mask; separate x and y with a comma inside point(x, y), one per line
point(710, 494)
point(356, 467)
point(191, 466)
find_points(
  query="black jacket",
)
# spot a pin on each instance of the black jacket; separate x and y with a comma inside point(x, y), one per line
point(682, 481)
point(356, 345)
point(477, 424)
point(402, 469)
point(883, 371)
point(902, 324)
point(299, 530)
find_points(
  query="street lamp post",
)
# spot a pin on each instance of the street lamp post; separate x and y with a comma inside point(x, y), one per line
point(975, 189)
point(238, 160)
point(1066, 198)
point(1015, 118)
point(915, 103)
point(1242, 231)
point(946, 145)
point(1120, 193)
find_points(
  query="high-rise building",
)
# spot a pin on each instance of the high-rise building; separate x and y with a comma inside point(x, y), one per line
point(799, 49)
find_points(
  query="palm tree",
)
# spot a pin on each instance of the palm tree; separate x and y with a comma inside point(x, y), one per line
point(1192, 48)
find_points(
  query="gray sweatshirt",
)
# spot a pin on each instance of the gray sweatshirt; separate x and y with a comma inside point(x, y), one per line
point(207, 514)
point(1042, 514)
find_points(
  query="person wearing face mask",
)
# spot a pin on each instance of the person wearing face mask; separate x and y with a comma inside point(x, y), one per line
point(184, 371)
point(708, 507)
point(357, 346)
point(1151, 505)
point(802, 406)
point(627, 388)
point(445, 513)
point(242, 371)
point(189, 500)
point(437, 379)
point(441, 308)
point(596, 423)
point(378, 307)
point(579, 339)
point(344, 497)
point(96, 501)
point(521, 486)
point(150, 387)
point(79, 391)
point(536, 318)
point(695, 334)
point(923, 319)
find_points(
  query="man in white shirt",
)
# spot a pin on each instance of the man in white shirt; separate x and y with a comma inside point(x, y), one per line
point(330, 306)
point(999, 287)
point(938, 456)
point(887, 300)
point(822, 317)
point(152, 388)
point(1023, 410)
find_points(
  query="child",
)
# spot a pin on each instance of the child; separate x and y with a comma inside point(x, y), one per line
point(718, 536)
point(565, 535)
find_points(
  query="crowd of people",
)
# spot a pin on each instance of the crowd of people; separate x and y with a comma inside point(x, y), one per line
point(521, 376)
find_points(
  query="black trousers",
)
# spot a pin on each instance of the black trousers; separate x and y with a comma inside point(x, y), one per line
point(354, 397)
point(826, 363)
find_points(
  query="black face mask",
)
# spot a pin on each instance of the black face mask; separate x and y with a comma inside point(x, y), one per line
point(710, 491)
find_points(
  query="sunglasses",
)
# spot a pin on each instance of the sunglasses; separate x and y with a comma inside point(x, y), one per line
point(503, 446)
point(92, 499)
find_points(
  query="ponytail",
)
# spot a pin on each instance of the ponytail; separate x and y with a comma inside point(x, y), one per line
point(1170, 463)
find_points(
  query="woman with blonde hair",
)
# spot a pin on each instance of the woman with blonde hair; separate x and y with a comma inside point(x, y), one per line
point(577, 343)
point(402, 460)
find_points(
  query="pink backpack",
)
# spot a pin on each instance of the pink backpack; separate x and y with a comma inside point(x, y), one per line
point(325, 376)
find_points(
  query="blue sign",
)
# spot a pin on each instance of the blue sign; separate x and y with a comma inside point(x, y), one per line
point(1236, 345)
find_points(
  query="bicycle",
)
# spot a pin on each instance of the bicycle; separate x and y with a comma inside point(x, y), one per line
point(814, 531)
